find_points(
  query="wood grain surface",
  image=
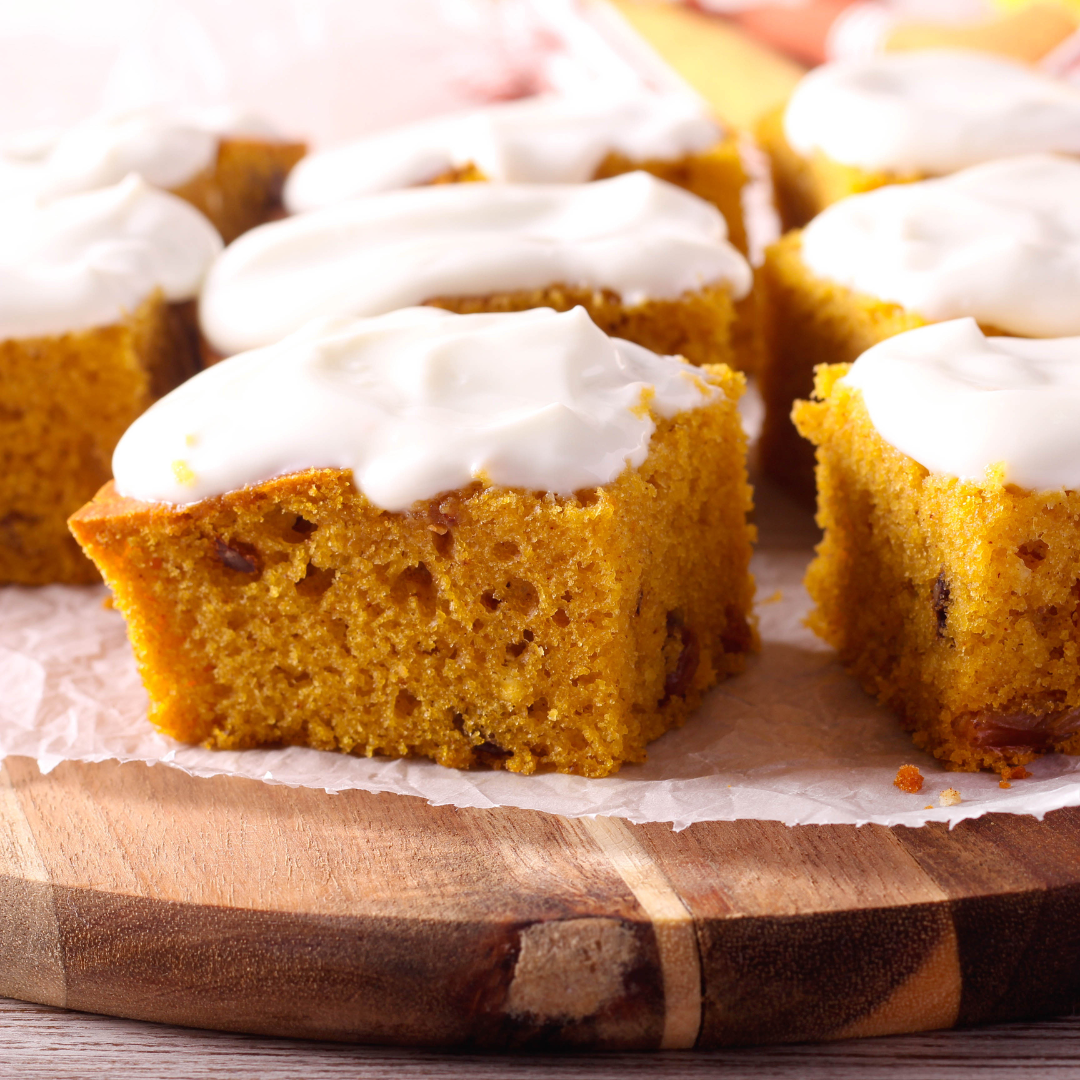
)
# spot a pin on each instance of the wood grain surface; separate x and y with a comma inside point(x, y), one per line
point(241, 906)
point(42, 1043)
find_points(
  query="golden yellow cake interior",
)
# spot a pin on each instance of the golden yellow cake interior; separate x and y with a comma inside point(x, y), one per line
point(955, 602)
point(490, 626)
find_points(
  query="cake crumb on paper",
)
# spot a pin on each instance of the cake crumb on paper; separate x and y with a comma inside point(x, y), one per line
point(909, 779)
point(949, 797)
point(1017, 772)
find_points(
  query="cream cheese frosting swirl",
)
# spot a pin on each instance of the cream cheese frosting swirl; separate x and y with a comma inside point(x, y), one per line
point(165, 146)
point(541, 140)
point(415, 403)
point(635, 235)
point(961, 403)
point(87, 260)
point(999, 242)
point(931, 111)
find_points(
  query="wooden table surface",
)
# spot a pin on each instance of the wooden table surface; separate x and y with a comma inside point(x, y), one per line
point(37, 1041)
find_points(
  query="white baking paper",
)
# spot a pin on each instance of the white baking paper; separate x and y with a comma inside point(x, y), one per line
point(793, 739)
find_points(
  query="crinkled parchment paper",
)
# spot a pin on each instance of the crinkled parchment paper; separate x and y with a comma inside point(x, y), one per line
point(793, 739)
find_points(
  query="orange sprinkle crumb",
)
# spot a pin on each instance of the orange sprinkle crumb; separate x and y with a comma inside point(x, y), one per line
point(909, 779)
point(1004, 783)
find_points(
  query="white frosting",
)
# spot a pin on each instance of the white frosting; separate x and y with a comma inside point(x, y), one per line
point(999, 242)
point(415, 403)
point(542, 140)
point(166, 147)
point(959, 402)
point(931, 111)
point(86, 260)
point(634, 234)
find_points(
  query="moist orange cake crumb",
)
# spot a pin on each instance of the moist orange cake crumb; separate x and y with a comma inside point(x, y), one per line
point(955, 602)
point(909, 779)
point(242, 188)
point(485, 627)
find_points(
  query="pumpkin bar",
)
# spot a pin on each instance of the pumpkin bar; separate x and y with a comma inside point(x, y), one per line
point(948, 578)
point(859, 124)
point(78, 365)
point(508, 618)
point(229, 166)
point(648, 261)
point(551, 138)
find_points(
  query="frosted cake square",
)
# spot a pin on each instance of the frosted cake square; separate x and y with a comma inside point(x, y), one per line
point(551, 138)
point(949, 574)
point(649, 262)
point(860, 124)
point(229, 166)
point(96, 321)
point(501, 540)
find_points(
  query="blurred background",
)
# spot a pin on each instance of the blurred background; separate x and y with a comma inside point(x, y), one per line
point(331, 69)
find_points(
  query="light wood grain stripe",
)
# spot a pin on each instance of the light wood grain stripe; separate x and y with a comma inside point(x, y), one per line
point(680, 961)
point(19, 854)
point(31, 964)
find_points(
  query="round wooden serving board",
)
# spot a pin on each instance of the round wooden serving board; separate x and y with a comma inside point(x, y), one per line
point(233, 904)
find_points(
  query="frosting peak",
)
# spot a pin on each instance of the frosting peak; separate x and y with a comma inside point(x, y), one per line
point(547, 139)
point(960, 403)
point(931, 111)
point(415, 403)
point(87, 260)
point(999, 242)
point(634, 234)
